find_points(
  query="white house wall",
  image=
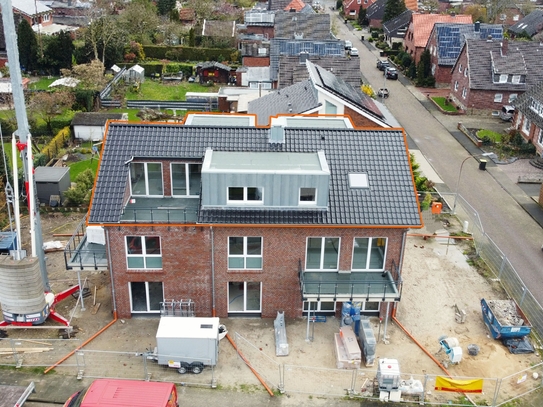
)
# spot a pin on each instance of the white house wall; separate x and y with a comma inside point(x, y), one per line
point(92, 133)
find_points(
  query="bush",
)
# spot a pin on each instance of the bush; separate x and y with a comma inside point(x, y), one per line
point(81, 192)
point(51, 150)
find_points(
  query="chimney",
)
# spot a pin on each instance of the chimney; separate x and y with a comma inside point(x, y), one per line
point(477, 26)
point(504, 46)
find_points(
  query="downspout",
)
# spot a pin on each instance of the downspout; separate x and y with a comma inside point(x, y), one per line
point(213, 310)
point(114, 305)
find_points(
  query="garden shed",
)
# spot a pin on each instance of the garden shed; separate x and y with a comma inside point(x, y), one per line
point(51, 183)
point(214, 72)
point(135, 74)
point(90, 126)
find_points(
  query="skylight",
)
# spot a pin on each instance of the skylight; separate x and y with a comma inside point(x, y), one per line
point(358, 180)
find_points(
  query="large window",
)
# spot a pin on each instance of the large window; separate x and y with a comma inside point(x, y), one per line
point(186, 179)
point(369, 253)
point(498, 97)
point(146, 296)
point(322, 253)
point(146, 179)
point(244, 252)
point(245, 297)
point(249, 195)
point(526, 126)
point(330, 108)
point(308, 196)
point(143, 252)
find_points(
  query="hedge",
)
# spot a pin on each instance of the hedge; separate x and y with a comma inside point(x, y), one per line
point(58, 142)
point(182, 53)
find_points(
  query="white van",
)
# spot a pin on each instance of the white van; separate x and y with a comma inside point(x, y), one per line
point(348, 44)
point(506, 113)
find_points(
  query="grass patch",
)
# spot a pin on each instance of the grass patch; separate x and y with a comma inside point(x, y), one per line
point(131, 113)
point(43, 83)
point(80, 166)
point(444, 103)
point(155, 90)
point(489, 135)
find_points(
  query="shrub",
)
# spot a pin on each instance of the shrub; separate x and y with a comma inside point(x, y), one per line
point(81, 192)
point(52, 149)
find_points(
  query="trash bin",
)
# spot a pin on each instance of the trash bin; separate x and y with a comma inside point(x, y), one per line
point(482, 165)
point(362, 38)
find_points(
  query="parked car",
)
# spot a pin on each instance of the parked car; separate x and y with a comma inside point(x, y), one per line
point(348, 44)
point(506, 113)
point(391, 72)
point(382, 64)
point(353, 52)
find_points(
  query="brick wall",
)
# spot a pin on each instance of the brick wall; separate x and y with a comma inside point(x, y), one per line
point(187, 266)
point(256, 61)
point(358, 120)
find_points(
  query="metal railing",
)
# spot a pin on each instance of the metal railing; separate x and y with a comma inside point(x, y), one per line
point(161, 215)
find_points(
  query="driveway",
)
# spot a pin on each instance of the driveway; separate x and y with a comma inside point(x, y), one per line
point(502, 205)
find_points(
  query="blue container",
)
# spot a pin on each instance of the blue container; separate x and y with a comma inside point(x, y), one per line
point(499, 327)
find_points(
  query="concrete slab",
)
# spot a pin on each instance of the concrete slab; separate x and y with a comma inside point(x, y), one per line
point(425, 167)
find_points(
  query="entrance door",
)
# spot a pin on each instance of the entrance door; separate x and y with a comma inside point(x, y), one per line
point(145, 297)
point(245, 298)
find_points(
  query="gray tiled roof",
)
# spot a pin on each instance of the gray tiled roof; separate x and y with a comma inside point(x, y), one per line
point(520, 54)
point(532, 23)
point(400, 22)
point(298, 98)
point(209, 64)
point(311, 26)
point(94, 119)
point(390, 199)
point(523, 102)
point(341, 89)
point(276, 5)
point(376, 10)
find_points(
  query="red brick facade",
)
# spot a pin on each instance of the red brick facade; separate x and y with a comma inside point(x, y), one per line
point(358, 120)
point(187, 263)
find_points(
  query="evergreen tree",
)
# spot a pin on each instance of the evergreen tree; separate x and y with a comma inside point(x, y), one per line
point(28, 46)
point(363, 17)
point(58, 52)
point(165, 6)
point(424, 70)
point(393, 8)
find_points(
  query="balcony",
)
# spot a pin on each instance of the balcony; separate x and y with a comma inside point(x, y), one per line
point(160, 210)
point(80, 254)
point(350, 286)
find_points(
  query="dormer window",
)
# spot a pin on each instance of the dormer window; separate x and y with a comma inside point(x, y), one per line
point(248, 195)
point(516, 79)
point(503, 78)
point(308, 196)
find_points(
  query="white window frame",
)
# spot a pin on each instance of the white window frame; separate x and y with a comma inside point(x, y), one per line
point(373, 242)
point(498, 97)
point(146, 179)
point(323, 253)
point(142, 252)
point(329, 107)
point(516, 79)
point(503, 78)
point(460, 68)
point(245, 256)
point(148, 300)
point(45, 18)
point(245, 293)
point(316, 306)
point(466, 71)
point(464, 92)
point(540, 137)
point(307, 202)
point(526, 124)
point(512, 97)
point(188, 174)
point(245, 199)
point(455, 85)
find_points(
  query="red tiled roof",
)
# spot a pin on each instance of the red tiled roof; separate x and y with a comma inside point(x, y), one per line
point(297, 5)
point(187, 14)
point(423, 24)
point(412, 5)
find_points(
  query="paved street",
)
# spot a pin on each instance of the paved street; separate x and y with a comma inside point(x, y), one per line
point(497, 199)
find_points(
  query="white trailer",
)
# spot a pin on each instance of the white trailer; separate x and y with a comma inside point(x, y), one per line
point(187, 343)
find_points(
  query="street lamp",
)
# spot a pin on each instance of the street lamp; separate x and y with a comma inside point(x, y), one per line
point(460, 175)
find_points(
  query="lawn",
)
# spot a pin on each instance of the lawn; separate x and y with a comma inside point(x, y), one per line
point(444, 104)
point(78, 167)
point(43, 83)
point(155, 90)
point(492, 135)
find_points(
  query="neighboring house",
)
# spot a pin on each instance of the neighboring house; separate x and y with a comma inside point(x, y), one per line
point(395, 29)
point(351, 8)
point(298, 6)
point(301, 26)
point(528, 117)
point(322, 94)
point(532, 24)
point(92, 126)
point(421, 26)
point(253, 39)
point(247, 220)
point(187, 16)
point(375, 13)
point(278, 5)
point(489, 73)
point(287, 60)
point(214, 72)
point(34, 12)
point(446, 41)
point(217, 30)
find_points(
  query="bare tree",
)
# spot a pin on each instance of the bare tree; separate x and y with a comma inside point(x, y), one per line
point(48, 105)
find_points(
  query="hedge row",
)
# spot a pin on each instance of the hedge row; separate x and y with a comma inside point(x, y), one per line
point(58, 142)
point(181, 53)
